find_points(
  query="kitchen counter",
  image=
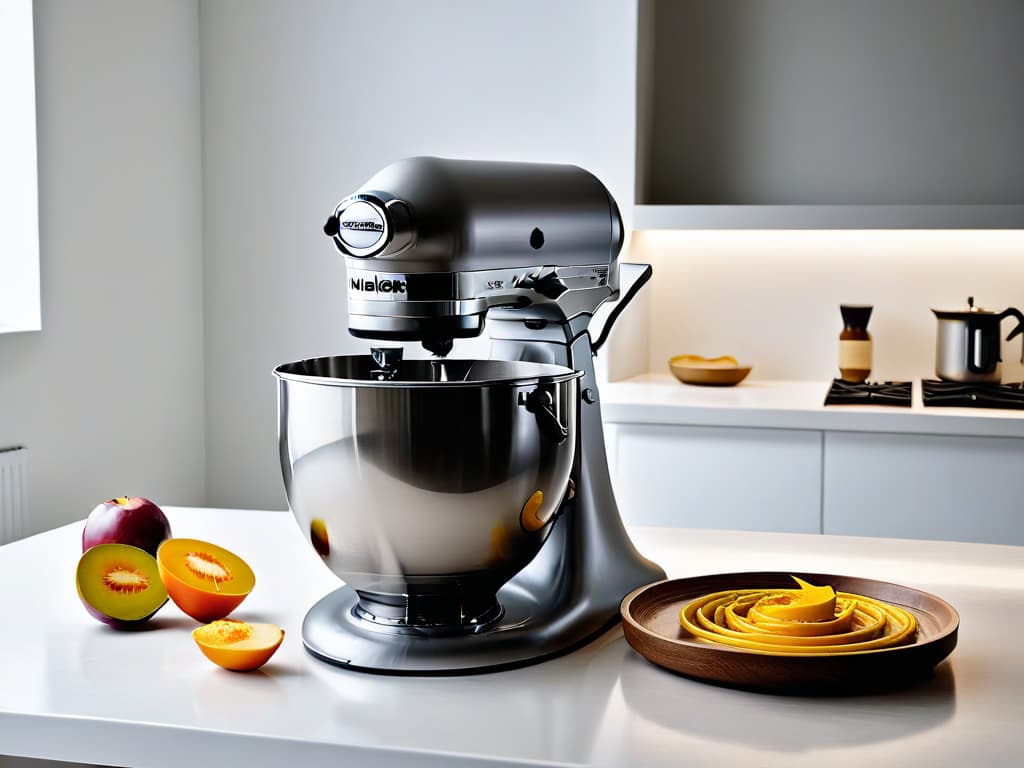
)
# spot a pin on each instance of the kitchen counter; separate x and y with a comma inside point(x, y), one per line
point(657, 398)
point(72, 689)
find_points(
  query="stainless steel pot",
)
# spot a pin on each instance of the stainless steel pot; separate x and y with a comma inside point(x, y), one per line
point(426, 485)
point(967, 343)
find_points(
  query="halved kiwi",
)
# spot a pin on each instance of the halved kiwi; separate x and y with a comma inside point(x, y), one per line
point(120, 585)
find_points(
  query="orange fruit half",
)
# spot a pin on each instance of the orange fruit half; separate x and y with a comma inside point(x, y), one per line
point(236, 645)
point(206, 581)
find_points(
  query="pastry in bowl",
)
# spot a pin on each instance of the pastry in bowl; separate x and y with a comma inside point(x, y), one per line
point(721, 371)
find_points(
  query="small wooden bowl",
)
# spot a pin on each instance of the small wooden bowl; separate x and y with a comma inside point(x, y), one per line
point(709, 372)
point(650, 621)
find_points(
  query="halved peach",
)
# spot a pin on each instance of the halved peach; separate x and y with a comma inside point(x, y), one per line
point(206, 581)
point(119, 585)
point(236, 645)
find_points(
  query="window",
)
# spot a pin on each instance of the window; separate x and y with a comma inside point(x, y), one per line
point(19, 205)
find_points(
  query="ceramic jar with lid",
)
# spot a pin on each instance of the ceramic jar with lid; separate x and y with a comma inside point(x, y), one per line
point(855, 343)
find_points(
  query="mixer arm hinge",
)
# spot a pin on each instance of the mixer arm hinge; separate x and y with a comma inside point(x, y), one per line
point(634, 276)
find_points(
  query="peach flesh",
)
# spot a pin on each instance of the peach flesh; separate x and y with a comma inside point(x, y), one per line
point(206, 581)
point(208, 567)
point(236, 645)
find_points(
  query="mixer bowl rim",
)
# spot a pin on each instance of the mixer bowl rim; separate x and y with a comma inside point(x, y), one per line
point(545, 373)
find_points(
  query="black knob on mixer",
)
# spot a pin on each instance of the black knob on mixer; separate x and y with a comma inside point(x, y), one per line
point(546, 284)
point(331, 228)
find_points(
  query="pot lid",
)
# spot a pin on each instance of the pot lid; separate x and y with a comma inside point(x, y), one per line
point(962, 314)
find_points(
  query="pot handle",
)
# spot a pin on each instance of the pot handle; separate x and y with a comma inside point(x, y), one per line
point(1011, 312)
point(982, 348)
point(539, 403)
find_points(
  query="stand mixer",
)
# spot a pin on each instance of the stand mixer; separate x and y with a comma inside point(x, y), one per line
point(466, 503)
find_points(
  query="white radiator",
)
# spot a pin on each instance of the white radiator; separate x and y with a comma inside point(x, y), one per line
point(13, 493)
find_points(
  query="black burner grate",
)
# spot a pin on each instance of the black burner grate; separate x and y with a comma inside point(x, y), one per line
point(870, 393)
point(954, 394)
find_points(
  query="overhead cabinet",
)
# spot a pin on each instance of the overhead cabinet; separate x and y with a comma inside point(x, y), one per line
point(830, 113)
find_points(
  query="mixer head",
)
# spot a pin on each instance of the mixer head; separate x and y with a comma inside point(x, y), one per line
point(432, 245)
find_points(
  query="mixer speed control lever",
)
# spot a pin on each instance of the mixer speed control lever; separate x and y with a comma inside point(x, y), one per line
point(545, 284)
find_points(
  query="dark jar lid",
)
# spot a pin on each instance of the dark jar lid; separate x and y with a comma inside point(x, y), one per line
point(856, 315)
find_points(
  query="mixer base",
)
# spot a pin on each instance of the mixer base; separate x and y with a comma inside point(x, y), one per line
point(527, 633)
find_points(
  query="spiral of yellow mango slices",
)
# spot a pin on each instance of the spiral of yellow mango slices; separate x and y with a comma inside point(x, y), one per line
point(806, 620)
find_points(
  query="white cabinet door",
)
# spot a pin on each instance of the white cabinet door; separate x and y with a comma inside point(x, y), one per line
point(924, 487)
point(717, 477)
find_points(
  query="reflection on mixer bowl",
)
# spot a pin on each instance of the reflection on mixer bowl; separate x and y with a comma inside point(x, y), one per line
point(426, 484)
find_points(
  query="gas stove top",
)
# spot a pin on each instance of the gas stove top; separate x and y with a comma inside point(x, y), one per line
point(896, 393)
point(954, 394)
point(934, 394)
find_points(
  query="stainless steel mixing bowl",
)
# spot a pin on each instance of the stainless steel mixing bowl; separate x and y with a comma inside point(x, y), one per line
point(426, 492)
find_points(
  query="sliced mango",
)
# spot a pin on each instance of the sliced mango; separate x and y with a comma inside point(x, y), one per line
point(236, 645)
point(807, 620)
point(809, 603)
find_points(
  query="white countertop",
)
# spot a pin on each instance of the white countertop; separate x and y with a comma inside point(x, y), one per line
point(72, 689)
point(658, 398)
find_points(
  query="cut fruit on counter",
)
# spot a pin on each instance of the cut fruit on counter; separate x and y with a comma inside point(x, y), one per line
point(119, 585)
point(236, 645)
point(807, 620)
point(206, 581)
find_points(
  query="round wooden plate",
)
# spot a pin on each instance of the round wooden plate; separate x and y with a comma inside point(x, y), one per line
point(650, 621)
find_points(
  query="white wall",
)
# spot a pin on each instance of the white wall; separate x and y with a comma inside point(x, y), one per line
point(772, 298)
point(108, 397)
point(303, 101)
